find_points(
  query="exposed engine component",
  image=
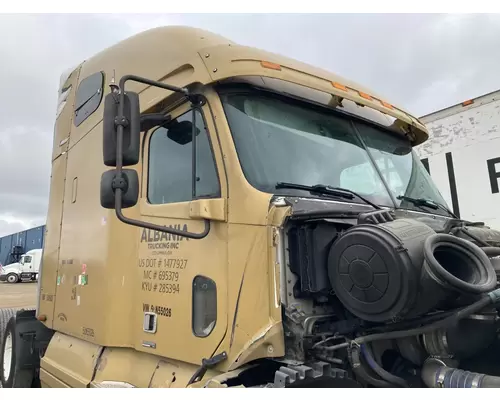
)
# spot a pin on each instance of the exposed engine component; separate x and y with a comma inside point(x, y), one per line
point(466, 339)
point(436, 374)
point(403, 269)
point(310, 244)
point(461, 341)
point(477, 232)
point(379, 296)
point(494, 255)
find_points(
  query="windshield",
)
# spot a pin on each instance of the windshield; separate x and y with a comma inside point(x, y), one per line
point(282, 140)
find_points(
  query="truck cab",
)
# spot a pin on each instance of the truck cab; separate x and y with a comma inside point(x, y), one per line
point(26, 269)
point(223, 216)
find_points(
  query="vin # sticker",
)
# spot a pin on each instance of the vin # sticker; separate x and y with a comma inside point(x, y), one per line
point(160, 310)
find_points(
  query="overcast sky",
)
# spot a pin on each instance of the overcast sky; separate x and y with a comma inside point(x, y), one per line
point(421, 62)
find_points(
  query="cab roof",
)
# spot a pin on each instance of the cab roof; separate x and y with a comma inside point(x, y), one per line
point(184, 55)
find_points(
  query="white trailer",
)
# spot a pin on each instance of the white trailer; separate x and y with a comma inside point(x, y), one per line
point(463, 157)
point(26, 269)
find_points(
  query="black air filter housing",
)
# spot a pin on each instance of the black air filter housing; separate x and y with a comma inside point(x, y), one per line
point(375, 270)
point(309, 246)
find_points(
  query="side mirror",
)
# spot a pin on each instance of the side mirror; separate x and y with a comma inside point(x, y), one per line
point(122, 125)
point(128, 181)
point(131, 129)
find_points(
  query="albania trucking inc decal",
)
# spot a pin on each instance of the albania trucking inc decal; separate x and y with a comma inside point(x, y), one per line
point(162, 240)
point(161, 270)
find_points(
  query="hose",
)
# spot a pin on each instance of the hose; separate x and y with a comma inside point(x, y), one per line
point(331, 360)
point(472, 236)
point(361, 372)
point(368, 355)
point(436, 374)
point(488, 299)
point(490, 381)
point(412, 322)
point(491, 251)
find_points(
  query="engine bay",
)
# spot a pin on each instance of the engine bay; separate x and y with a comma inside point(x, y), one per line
point(381, 300)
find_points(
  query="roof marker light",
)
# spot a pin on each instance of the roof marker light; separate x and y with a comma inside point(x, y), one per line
point(337, 85)
point(365, 96)
point(270, 65)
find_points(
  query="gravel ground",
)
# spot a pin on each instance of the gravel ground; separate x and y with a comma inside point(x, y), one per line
point(17, 295)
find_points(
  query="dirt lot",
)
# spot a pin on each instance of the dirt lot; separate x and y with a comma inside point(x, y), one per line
point(18, 295)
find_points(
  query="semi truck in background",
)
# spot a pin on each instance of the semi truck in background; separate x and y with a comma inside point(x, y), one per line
point(221, 216)
point(26, 269)
point(13, 246)
point(462, 155)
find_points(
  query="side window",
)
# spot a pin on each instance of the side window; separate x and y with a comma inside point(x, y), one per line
point(27, 259)
point(170, 178)
point(88, 97)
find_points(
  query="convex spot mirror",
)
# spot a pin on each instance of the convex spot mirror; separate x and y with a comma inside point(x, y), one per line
point(181, 132)
point(131, 129)
point(402, 150)
point(130, 192)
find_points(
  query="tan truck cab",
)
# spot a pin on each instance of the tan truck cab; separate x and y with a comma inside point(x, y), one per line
point(223, 216)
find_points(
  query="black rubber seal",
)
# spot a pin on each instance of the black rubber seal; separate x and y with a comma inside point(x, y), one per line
point(484, 276)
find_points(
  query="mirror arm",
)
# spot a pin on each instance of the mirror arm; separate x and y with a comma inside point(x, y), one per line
point(149, 121)
point(195, 98)
point(147, 225)
point(146, 81)
point(119, 184)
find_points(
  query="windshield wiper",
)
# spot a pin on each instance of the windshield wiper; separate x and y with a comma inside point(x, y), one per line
point(326, 190)
point(427, 203)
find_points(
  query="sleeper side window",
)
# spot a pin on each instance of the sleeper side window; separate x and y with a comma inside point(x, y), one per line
point(171, 174)
point(88, 97)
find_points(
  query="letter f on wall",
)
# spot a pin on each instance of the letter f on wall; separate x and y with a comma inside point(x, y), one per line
point(494, 174)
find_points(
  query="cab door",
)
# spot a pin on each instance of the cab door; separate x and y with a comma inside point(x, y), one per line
point(183, 282)
point(26, 266)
